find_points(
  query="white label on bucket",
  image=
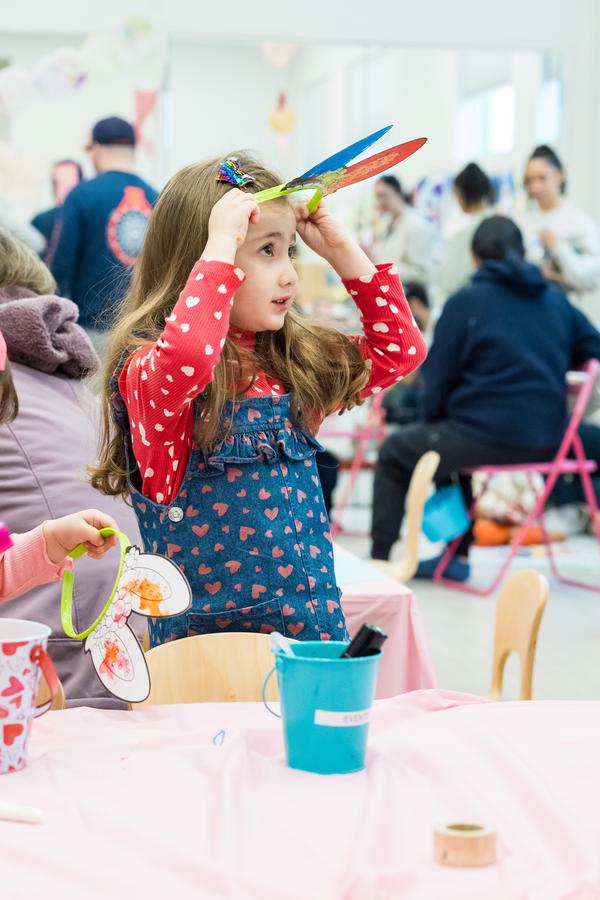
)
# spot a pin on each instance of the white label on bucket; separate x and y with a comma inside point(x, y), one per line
point(342, 719)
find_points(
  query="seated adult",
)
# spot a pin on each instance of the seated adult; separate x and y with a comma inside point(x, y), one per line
point(494, 381)
point(44, 452)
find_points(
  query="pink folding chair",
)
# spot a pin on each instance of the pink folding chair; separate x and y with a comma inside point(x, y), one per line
point(560, 465)
point(373, 429)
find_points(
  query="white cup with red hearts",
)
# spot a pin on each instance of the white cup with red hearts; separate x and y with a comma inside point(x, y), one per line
point(22, 658)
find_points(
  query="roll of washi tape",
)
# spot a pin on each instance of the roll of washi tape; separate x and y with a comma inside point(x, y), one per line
point(464, 844)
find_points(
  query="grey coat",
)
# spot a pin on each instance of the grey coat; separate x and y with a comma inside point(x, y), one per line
point(43, 454)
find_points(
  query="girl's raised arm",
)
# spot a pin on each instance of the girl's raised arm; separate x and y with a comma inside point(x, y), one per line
point(159, 383)
point(391, 339)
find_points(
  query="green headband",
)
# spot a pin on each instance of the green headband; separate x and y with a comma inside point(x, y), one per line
point(68, 583)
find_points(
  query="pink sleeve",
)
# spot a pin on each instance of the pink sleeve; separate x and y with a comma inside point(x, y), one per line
point(160, 382)
point(26, 565)
point(391, 339)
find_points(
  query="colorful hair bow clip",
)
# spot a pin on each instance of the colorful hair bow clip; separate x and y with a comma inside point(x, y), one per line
point(229, 170)
point(3, 353)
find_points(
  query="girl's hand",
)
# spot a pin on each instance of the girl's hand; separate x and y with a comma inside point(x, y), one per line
point(228, 225)
point(549, 239)
point(552, 275)
point(321, 232)
point(64, 534)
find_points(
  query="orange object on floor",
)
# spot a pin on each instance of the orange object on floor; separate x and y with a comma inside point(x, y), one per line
point(491, 534)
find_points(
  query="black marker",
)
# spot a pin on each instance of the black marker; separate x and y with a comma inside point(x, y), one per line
point(367, 642)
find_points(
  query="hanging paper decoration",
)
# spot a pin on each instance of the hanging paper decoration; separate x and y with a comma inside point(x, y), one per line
point(145, 104)
point(146, 583)
point(59, 73)
point(430, 196)
point(137, 27)
point(105, 54)
point(333, 173)
point(16, 88)
point(281, 118)
point(278, 55)
point(100, 55)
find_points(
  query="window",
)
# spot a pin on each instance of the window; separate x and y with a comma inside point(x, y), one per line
point(547, 129)
point(485, 124)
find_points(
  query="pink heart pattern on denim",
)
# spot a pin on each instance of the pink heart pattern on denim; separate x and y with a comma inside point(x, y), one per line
point(248, 528)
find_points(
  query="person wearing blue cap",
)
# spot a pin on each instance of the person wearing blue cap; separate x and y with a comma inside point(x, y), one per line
point(101, 228)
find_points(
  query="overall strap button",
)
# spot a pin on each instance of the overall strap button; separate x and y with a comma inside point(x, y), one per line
point(175, 514)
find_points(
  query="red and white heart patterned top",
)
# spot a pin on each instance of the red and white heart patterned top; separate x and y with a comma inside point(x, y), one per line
point(159, 383)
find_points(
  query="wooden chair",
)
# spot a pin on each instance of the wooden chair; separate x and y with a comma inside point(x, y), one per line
point(43, 695)
point(211, 668)
point(418, 491)
point(521, 604)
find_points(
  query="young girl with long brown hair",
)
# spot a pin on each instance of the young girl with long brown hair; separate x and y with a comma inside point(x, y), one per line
point(215, 386)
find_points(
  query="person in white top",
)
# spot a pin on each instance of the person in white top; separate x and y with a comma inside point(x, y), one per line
point(564, 240)
point(401, 235)
point(474, 193)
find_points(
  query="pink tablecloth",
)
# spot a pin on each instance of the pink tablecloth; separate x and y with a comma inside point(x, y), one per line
point(369, 596)
point(149, 805)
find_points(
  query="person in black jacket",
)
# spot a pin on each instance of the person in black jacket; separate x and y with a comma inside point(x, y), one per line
point(494, 381)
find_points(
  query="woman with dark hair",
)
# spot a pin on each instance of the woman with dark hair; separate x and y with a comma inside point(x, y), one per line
point(562, 238)
point(401, 235)
point(474, 194)
point(494, 381)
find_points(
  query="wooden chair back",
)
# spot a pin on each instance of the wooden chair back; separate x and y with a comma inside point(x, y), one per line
point(418, 491)
point(519, 612)
point(211, 668)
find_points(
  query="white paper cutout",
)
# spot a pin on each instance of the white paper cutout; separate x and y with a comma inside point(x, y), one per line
point(150, 585)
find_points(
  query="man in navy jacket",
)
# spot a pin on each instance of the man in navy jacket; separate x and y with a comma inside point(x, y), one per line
point(102, 226)
point(494, 381)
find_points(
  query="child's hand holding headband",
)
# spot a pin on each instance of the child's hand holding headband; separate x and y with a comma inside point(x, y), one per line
point(325, 236)
point(228, 225)
point(62, 535)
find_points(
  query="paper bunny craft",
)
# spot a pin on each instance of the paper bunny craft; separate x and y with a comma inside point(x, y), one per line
point(146, 583)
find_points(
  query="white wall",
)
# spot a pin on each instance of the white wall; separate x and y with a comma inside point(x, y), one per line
point(49, 129)
point(219, 99)
point(570, 26)
point(513, 24)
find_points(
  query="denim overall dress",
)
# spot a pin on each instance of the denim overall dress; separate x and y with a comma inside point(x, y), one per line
point(248, 528)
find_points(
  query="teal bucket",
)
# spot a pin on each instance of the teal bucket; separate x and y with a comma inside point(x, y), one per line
point(326, 706)
point(445, 515)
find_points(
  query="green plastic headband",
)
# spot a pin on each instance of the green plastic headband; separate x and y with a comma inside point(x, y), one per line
point(280, 190)
point(68, 583)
